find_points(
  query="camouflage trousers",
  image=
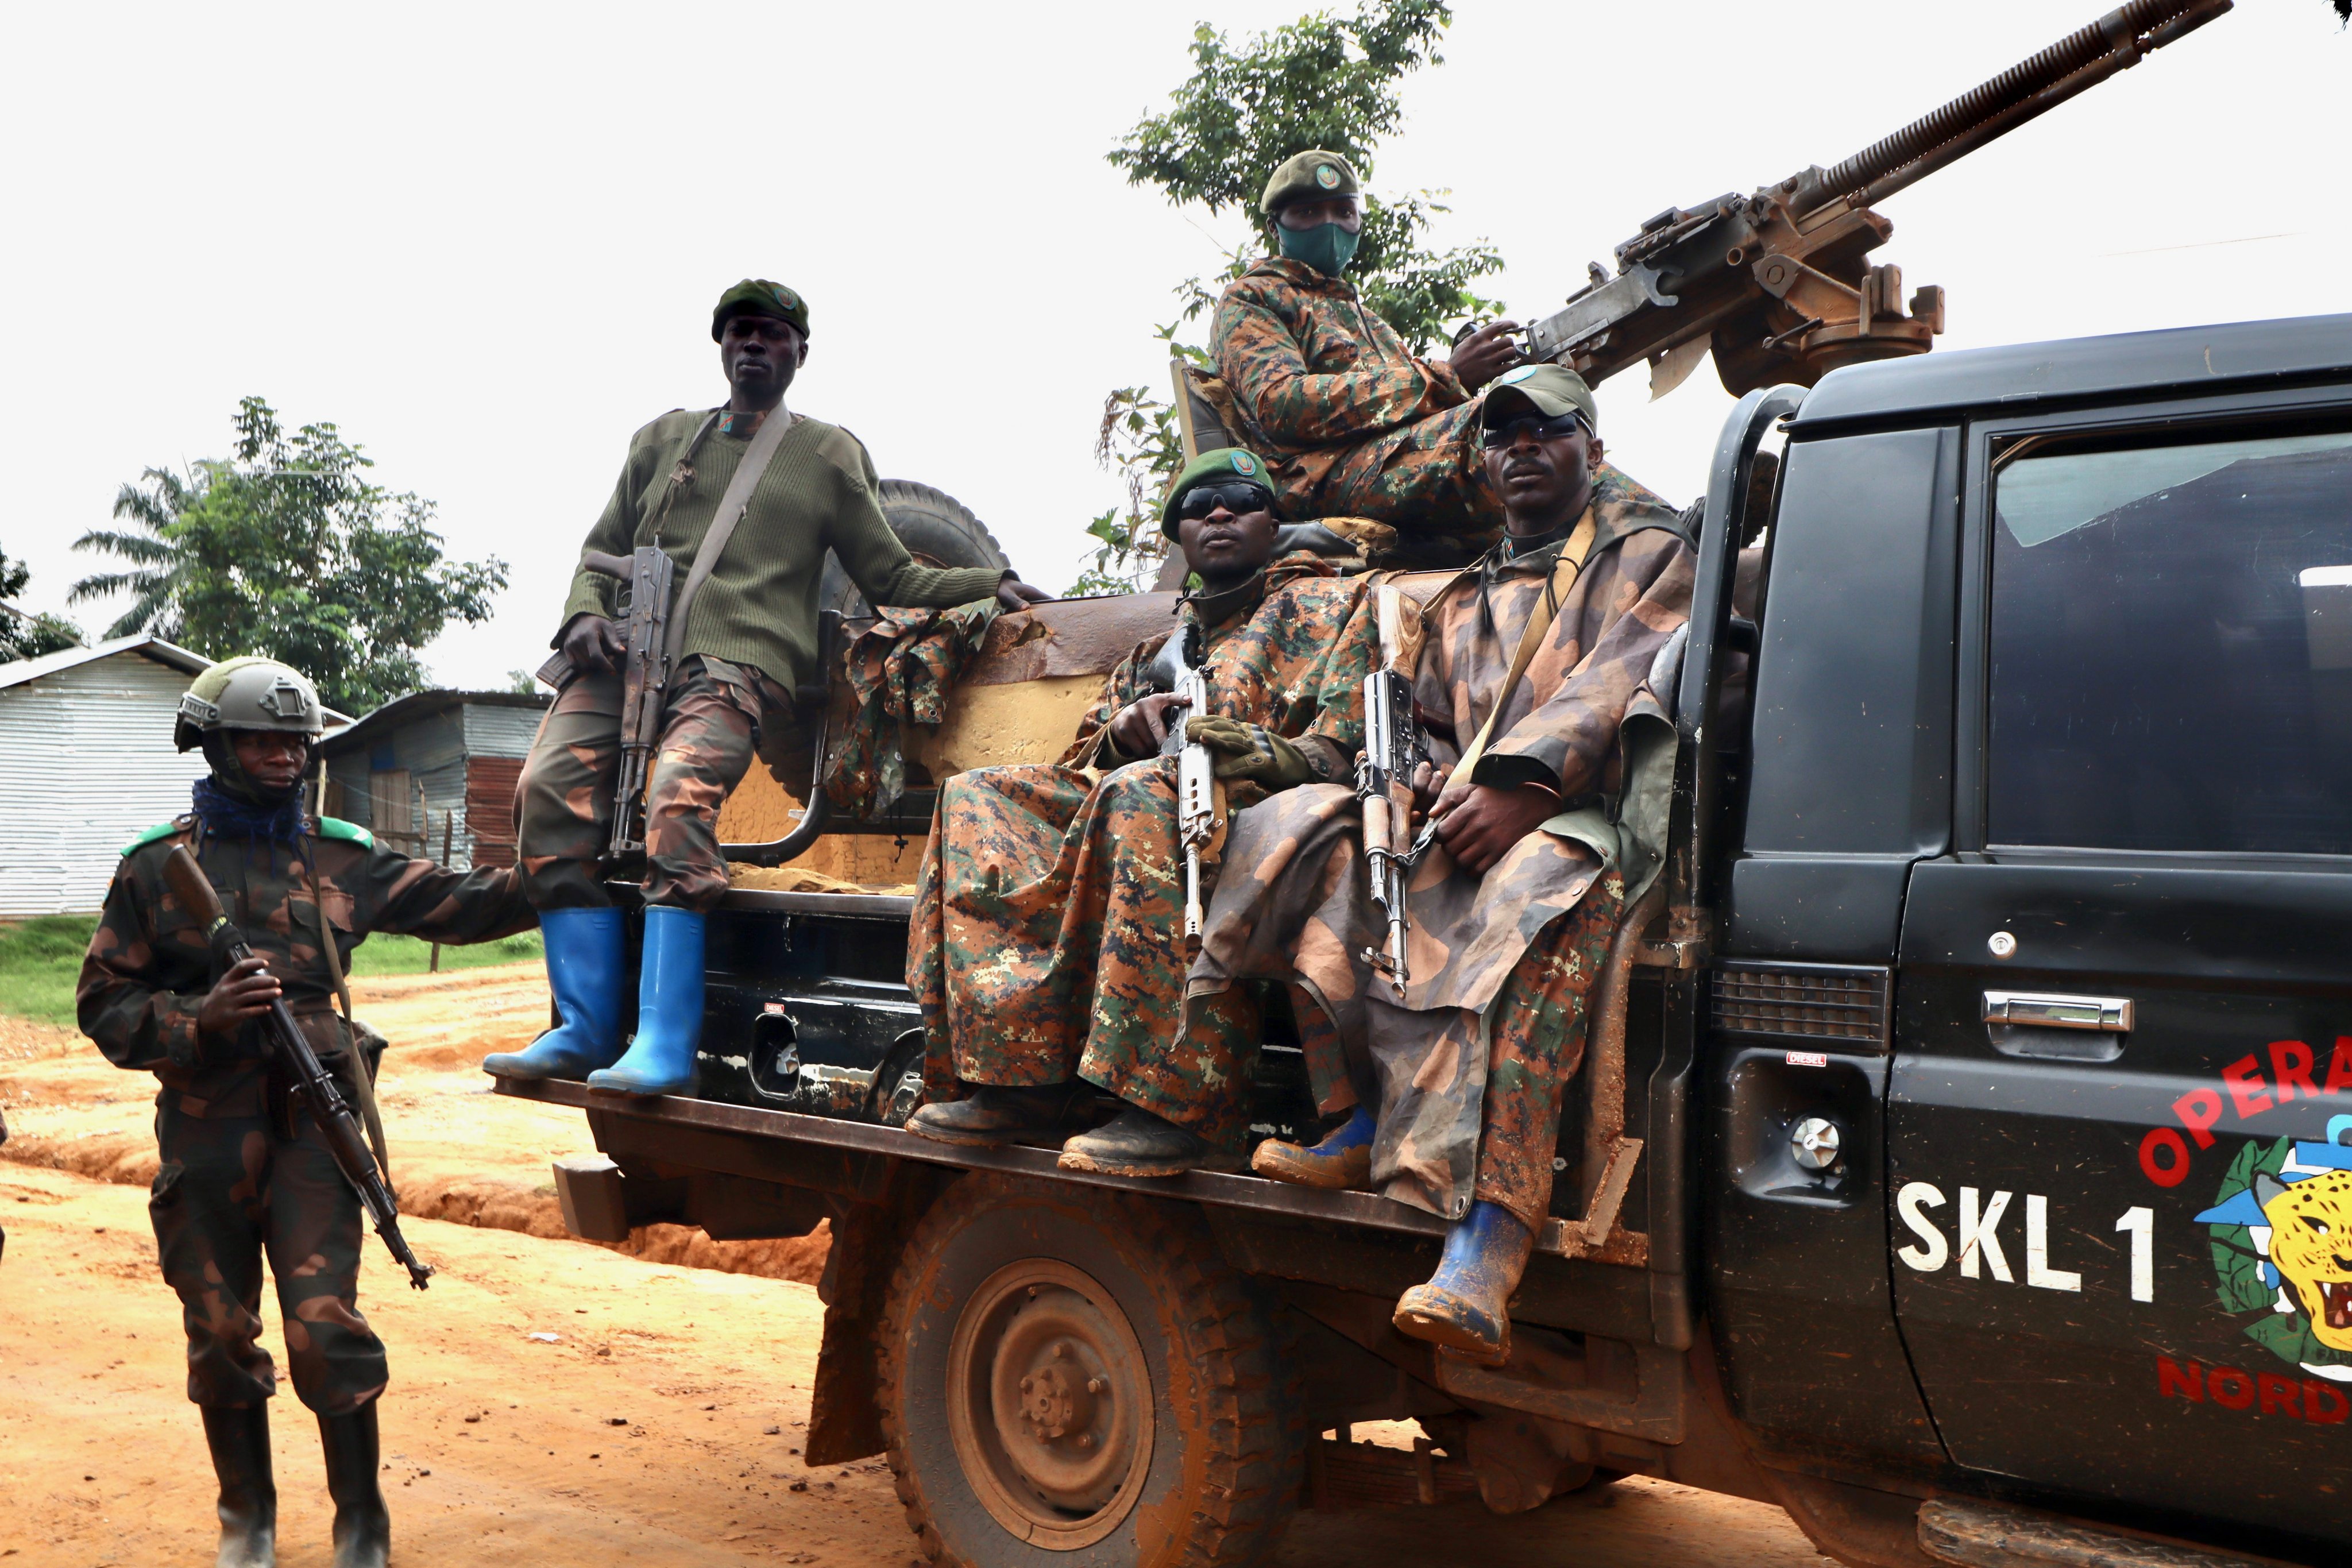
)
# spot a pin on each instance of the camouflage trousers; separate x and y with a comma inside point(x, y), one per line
point(1047, 943)
point(1427, 479)
point(712, 728)
point(230, 1192)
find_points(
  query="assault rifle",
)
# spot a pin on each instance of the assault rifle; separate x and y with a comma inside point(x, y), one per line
point(1393, 750)
point(312, 1083)
point(645, 683)
point(1177, 669)
point(1778, 282)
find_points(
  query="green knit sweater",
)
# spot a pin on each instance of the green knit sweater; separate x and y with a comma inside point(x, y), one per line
point(758, 607)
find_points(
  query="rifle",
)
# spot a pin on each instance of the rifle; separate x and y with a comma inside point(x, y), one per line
point(313, 1082)
point(1394, 749)
point(1778, 282)
point(1177, 669)
point(644, 682)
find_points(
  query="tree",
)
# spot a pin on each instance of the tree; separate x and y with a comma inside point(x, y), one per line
point(29, 636)
point(1324, 81)
point(286, 549)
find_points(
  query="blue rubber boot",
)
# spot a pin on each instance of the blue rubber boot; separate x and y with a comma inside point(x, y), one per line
point(660, 1060)
point(1341, 1163)
point(1466, 1305)
point(586, 965)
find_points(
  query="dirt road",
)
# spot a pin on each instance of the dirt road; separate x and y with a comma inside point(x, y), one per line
point(660, 1426)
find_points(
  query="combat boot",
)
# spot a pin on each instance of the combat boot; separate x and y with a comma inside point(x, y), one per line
point(1465, 1306)
point(661, 1059)
point(586, 965)
point(362, 1524)
point(1135, 1142)
point(992, 1114)
point(1341, 1163)
point(239, 1441)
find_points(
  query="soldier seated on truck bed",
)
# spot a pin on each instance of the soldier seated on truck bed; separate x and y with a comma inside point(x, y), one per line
point(748, 637)
point(1354, 423)
point(1551, 637)
point(1048, 949)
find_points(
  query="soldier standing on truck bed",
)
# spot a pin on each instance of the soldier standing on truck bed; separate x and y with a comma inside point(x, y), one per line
point(749, 637)
point(1531, 661)
point(1047, 948)
point(1354, 423)
point(245, 1172)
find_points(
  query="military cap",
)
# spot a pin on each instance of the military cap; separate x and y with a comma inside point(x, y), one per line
point(1312, 175)
point(1225, 463)
point(1551, 390)
point(758, 297)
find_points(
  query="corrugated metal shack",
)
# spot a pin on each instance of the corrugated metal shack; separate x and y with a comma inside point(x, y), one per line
point(434, 767)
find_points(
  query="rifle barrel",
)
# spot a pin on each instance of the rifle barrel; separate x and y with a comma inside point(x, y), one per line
point(2123, 31)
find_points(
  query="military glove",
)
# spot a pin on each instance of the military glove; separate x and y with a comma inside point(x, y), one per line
point(1248, 752)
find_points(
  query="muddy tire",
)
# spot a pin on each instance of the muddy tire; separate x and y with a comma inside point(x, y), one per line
point(1072, 1377)
point(936, 530)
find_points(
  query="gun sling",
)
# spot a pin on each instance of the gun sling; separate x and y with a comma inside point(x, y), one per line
point(731, 508)
point(1564, 573)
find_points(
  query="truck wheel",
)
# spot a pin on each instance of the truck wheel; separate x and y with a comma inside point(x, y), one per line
point(936, 530)
point(1072, 1377)
point(899, 1084)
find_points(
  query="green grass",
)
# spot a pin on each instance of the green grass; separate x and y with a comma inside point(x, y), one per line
point(40, 958)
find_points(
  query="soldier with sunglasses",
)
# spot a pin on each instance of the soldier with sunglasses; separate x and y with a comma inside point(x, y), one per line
point(1047, 947)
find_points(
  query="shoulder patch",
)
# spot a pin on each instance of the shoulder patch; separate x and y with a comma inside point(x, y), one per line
point(160, 830)
point(349, 832)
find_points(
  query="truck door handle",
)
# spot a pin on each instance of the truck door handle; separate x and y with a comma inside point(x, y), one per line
point(2043, 1010)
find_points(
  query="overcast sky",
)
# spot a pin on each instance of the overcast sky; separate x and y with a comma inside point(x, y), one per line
point(485, 240)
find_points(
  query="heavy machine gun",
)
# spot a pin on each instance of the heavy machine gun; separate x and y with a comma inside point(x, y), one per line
point(1779, 283)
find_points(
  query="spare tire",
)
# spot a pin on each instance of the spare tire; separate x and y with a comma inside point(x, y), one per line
point(936, 530)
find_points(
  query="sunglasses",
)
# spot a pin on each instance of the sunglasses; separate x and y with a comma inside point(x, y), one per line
point(1504, 434)
point(1201, 499)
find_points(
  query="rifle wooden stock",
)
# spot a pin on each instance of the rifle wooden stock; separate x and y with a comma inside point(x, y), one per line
point(312, 1083)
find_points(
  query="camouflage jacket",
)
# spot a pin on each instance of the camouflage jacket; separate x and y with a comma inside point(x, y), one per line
point(1313, 371)
point(1287, 651)
point(149, 965)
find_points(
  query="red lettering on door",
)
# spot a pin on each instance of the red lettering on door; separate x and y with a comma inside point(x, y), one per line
point(2197, 1110)
point(2244, 1081)
point(2171, 1379)
point(2230, 1387)
point(2280, 1393)
point(2171, 1171)
point(2340, 1066)
point(2337, 1406)
point(2291, 1066)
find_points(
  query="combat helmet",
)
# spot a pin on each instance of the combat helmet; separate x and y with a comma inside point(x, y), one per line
point(248, 693)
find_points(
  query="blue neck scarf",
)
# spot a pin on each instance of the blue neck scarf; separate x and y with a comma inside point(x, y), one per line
point(231, 816)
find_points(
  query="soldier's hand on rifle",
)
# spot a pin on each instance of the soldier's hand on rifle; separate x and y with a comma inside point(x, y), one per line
point(1478, 823)
point(1486, 353)
point(592, 642)
point(1428, 783)
point(1138, 729)
point(1016, 595)
point(244, 993)
point(1249, 752)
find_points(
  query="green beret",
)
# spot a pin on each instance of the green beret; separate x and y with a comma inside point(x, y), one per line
point(1225, 463)
point(758, 297)
point(1551, 390)
point(1312, 175)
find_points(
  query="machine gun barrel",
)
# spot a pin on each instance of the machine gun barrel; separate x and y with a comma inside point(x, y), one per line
point(312, 1083)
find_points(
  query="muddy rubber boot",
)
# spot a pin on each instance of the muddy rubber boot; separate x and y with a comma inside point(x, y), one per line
point(362, 1524)
point(992, 1114)
point(1465, 1306)
point(1341, 1163)
point(1135, 1142)
point(239, 1441)
point(587, 963)
point(660, 1060)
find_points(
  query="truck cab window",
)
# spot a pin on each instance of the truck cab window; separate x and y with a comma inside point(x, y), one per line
point(2171, 647)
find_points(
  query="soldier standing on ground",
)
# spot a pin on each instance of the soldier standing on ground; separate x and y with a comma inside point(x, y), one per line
point(1355, 424)
point(749, 638)
point(1048, 937)
point(245, 1172)
point(1452, 1092)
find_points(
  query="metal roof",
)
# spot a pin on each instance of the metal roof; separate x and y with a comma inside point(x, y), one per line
point(18, 671)
point(419, 705)
point(2184, 360)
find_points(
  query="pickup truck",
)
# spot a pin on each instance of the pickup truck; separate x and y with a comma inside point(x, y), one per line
point(1962, 1158)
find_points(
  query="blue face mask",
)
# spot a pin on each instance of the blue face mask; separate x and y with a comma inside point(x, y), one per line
point(1326, 248)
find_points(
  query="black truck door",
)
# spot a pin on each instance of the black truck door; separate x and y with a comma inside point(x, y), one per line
point(2120, 1110)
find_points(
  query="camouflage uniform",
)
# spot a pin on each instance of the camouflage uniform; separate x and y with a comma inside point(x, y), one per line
point(1500, 966)
point(901, 669)
point(718, 717)
point(1046, 938)
point(234, 1184)
point(1353, 424)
